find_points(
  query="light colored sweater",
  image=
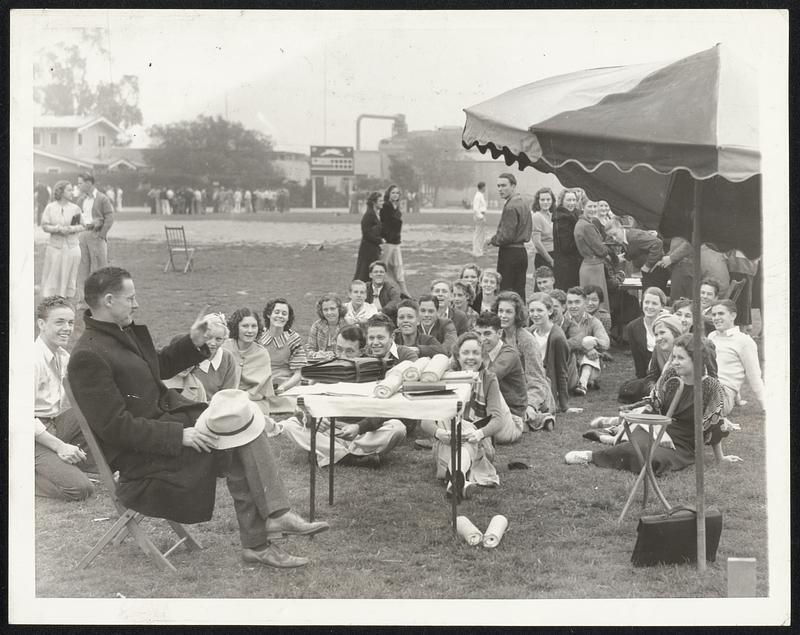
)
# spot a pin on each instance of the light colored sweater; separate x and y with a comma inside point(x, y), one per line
point(737, 360)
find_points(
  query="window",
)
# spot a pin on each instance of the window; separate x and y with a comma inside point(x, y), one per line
point(53, 170)
point(80, 139)
point(53, 138)
point(37, 138)
point(101, 141)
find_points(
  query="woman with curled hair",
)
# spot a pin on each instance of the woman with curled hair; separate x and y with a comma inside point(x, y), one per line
point(639, 332)
point(544, 203)
point(62, 256)
point(566, 259)
point(391, 217)
point(321, 342)
point(489, 286)
point(252, 359)
point(681, 431)
point(285, 347)
point(219, 372)
point(371, 240)
point(463, 296)
point(553, 347)
point(486, 401)
point(513, 315)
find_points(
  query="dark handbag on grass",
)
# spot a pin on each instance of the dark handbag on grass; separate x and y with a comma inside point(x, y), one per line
point(358, 370)
point(671, 538)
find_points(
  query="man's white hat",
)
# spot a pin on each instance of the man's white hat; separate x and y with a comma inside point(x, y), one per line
point(232, 417)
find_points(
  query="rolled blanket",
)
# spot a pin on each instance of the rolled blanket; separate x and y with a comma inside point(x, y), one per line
point(436, 368)
point(389, 385)
point(399, 369)
point(494, 532)
point(469, 532)
point(413, 372)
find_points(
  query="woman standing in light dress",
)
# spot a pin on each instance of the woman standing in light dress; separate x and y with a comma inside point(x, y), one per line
point(61, 219)
point(391, 226)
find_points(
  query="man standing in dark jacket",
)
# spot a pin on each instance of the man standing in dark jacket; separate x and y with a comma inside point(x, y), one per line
point(513, 231)
point(167, 467)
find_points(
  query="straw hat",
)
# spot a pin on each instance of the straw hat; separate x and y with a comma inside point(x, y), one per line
point(232, 417)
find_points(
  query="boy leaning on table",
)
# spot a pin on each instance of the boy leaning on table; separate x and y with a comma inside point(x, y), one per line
point(362, 442)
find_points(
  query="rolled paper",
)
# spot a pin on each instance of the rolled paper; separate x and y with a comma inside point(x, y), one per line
point(494, 532)
point(389, 385)
point(436, 368)
point(469, 532)
point(413, 372)
point(399, 369)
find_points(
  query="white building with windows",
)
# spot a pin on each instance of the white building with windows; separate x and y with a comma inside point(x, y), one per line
point(70, 144)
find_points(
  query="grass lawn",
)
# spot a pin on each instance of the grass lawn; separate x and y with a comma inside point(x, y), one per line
point(390, 535)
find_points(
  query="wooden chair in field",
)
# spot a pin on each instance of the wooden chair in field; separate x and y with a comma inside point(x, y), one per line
point(176, 244)
point(128, 521)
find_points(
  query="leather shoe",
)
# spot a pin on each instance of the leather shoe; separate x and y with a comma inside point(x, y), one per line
point(273, 556)
point(291, 524)
point(369, 460)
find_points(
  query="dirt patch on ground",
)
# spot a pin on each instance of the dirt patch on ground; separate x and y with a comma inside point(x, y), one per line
point(281, 233)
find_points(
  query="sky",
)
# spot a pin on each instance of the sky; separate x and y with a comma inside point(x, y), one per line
point(304, 77)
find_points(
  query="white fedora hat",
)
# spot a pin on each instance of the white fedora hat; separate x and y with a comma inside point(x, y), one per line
point(232, 417)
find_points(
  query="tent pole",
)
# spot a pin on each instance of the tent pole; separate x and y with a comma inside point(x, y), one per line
point(699, 332)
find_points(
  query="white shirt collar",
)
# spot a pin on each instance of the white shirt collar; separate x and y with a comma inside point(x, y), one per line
point(730, 332)
point(393, 351)
point(495, 351)
point(213, 362)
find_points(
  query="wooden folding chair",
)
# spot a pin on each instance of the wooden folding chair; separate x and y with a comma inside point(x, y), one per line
point(176, 244)
point(128, 521)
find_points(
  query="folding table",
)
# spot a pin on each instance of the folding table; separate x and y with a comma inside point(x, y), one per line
point(357, 400)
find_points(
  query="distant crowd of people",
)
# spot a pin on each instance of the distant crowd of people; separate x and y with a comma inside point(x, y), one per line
point(217, 200)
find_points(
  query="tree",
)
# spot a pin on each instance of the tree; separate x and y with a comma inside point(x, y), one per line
point(402, 173)
point(440, 161)
point(213, 148)
point(62, 87)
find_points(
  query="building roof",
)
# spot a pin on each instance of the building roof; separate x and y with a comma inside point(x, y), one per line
point(59, 157)
point(74, 122)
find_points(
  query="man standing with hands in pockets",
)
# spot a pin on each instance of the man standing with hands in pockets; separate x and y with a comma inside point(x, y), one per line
point(513, 231)
point(168, 463)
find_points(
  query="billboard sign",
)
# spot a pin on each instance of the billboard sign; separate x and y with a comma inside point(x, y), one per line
point(332, 161)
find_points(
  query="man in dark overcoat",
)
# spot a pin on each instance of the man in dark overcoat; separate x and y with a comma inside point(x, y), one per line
point(167, 467)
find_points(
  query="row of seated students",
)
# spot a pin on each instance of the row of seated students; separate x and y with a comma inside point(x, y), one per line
point(539, 354)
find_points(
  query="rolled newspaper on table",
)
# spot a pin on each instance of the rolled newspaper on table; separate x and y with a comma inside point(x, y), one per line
point(390, 384)
point(413, 372)
point(469, 532)
point(494, 532)
point(436, 368)
point(399, 369)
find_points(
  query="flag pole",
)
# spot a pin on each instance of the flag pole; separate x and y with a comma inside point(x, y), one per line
point(699, 332)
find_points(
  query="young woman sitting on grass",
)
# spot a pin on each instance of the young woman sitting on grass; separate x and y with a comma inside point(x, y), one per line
point(554, 349)
point(286, 350)
point(254, 367)
point(219, 372)
point(476, 449)
point(681, 431)
point(489, 286)
point(666, 328)
point(463, 296)
point(471, 274)
point(322, 335)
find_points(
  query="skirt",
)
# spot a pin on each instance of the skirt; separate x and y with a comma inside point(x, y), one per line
point(60, 271)
point(595, 273)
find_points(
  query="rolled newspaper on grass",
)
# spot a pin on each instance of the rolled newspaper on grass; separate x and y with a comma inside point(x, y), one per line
point(413, 372)
point(469, 532)
point(494, 532)
point(436, 368)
